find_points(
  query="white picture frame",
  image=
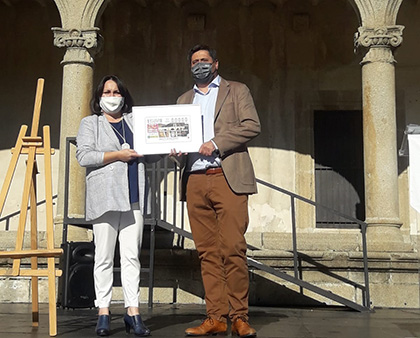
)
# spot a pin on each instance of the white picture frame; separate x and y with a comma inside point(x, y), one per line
point(160, 128)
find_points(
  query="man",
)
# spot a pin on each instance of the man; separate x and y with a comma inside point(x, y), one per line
point(216, 183)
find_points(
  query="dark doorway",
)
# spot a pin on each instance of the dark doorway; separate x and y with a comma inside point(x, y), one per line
point(339, 173)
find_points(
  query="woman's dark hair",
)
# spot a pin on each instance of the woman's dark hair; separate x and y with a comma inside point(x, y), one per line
point(128, 100)
point(196, 48)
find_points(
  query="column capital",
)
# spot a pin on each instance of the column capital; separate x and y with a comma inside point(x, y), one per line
point(81, 44)
point(389, 36)
point(380, 41)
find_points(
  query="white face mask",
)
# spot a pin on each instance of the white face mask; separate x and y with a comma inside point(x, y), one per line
point(111, 104)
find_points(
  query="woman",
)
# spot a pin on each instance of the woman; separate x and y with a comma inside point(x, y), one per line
point(116, 197)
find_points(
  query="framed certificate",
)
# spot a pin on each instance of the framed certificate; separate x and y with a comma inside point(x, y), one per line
point(158, 129)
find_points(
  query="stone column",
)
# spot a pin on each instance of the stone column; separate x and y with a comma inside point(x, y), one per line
point(379, 127)
point(81, 45)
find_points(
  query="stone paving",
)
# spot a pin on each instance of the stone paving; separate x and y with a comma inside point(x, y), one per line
point(171, 320)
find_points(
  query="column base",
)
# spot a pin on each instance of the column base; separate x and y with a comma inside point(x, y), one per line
point(374, 222)
point(384, 235)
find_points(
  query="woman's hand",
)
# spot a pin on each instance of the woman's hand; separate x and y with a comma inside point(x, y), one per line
point(127, 155)
point(175, 153)
point(176, 156)
point(123, 155)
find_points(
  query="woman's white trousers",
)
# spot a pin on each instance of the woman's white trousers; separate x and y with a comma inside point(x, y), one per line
point(128, 228)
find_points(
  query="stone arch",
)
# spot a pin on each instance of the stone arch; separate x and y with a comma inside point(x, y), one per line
point(82, 14)
point(377, 12)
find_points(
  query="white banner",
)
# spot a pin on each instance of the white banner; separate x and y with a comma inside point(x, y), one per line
point(414, 155)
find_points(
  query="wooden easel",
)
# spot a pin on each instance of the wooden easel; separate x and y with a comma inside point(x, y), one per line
point(31, 146)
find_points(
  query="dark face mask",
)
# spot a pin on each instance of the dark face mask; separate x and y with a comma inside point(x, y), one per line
point(201, 72)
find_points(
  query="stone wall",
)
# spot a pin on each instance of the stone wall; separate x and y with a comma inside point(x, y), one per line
point(296, 58)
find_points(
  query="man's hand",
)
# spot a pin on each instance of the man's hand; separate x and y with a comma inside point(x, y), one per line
point(207, 148)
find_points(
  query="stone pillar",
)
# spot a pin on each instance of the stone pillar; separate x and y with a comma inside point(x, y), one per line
point(379, 127)
point(77, 63)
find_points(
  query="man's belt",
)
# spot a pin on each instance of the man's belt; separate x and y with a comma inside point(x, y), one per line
point(208, 171)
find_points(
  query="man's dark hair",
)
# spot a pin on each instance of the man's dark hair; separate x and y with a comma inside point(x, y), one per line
point(128, 100)
point(196, 48)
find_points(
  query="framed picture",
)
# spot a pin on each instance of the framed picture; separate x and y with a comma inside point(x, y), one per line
point(158, 129)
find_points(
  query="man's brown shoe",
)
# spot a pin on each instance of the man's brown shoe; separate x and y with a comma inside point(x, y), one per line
point(209, 326)
point(241, 328)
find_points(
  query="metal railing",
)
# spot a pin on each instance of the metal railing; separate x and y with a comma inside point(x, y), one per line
point(166, 215)
point(297, 256)
point(8, 217)
point(161, 191)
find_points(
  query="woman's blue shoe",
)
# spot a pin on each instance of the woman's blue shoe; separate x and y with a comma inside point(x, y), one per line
point(135, 323)
point(102, 327)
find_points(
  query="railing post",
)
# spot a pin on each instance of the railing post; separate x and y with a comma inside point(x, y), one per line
point(366, 298)
point(154, 211)
point(294, 239)
point(165, 188)
point(66, 186)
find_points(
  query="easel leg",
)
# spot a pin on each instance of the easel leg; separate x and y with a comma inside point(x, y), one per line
point(50, 231)
point(51, 297)
point(34, 246)
point(12, 166)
